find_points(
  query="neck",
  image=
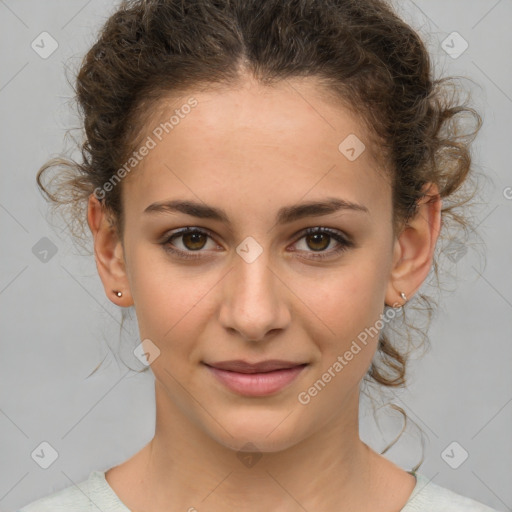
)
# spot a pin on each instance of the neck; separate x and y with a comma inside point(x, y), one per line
point(186, 467)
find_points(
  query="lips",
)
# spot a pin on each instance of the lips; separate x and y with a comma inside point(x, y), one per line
point(256, 379)
point(240, 366)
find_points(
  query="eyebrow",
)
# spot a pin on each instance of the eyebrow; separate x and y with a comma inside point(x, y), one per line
point(285, 215)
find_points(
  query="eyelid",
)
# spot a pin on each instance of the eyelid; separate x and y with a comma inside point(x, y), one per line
point(165, 240)
point(344, 241)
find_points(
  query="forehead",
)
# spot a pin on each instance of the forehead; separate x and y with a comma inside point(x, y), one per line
point(269, 144)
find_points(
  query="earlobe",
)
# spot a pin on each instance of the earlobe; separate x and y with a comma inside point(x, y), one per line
point(109, 254)
point(414, 248)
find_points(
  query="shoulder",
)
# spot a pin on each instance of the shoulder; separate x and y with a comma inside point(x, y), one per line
point(86, 496)
point(430, 497)
point(73, 498)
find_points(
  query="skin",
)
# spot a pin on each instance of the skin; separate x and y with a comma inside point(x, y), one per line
point(250, 151)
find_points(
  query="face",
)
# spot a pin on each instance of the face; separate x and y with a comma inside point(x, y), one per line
point(251, 283)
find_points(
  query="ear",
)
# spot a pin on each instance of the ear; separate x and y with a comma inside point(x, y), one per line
point(414, 248)
point(109, 254)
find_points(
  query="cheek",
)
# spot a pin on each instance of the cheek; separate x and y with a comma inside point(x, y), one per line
point(350, 299)
point(170, 302)
point(346, 348)
point(349, 307)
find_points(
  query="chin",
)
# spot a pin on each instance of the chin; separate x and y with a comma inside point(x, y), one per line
point(266, 431)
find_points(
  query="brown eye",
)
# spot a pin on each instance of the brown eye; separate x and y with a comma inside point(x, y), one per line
point(188, 243)
point(194, 241)
point(318, 241)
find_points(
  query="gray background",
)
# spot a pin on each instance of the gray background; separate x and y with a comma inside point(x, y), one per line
point(55, 316)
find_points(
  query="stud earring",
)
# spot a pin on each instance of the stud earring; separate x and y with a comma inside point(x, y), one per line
point(404, 297)
point(119, 294)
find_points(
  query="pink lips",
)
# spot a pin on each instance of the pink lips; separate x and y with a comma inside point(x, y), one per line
point(256, 379)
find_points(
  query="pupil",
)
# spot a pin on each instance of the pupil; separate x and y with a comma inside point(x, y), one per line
point(317, 238)
point(194, 240)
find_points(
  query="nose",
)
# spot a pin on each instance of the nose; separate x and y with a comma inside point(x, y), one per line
point(254, 300)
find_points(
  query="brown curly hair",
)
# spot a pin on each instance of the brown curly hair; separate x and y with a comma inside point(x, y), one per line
point(368, 58)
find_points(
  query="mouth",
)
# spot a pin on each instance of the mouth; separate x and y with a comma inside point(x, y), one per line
point(256, 379)
point(240, 366)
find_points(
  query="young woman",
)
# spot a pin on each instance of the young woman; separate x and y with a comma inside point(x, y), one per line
point(264, 184)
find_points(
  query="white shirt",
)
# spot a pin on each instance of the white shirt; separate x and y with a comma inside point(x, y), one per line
point(96, 494)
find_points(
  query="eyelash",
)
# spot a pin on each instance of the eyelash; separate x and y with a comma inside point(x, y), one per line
point(345, 244)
